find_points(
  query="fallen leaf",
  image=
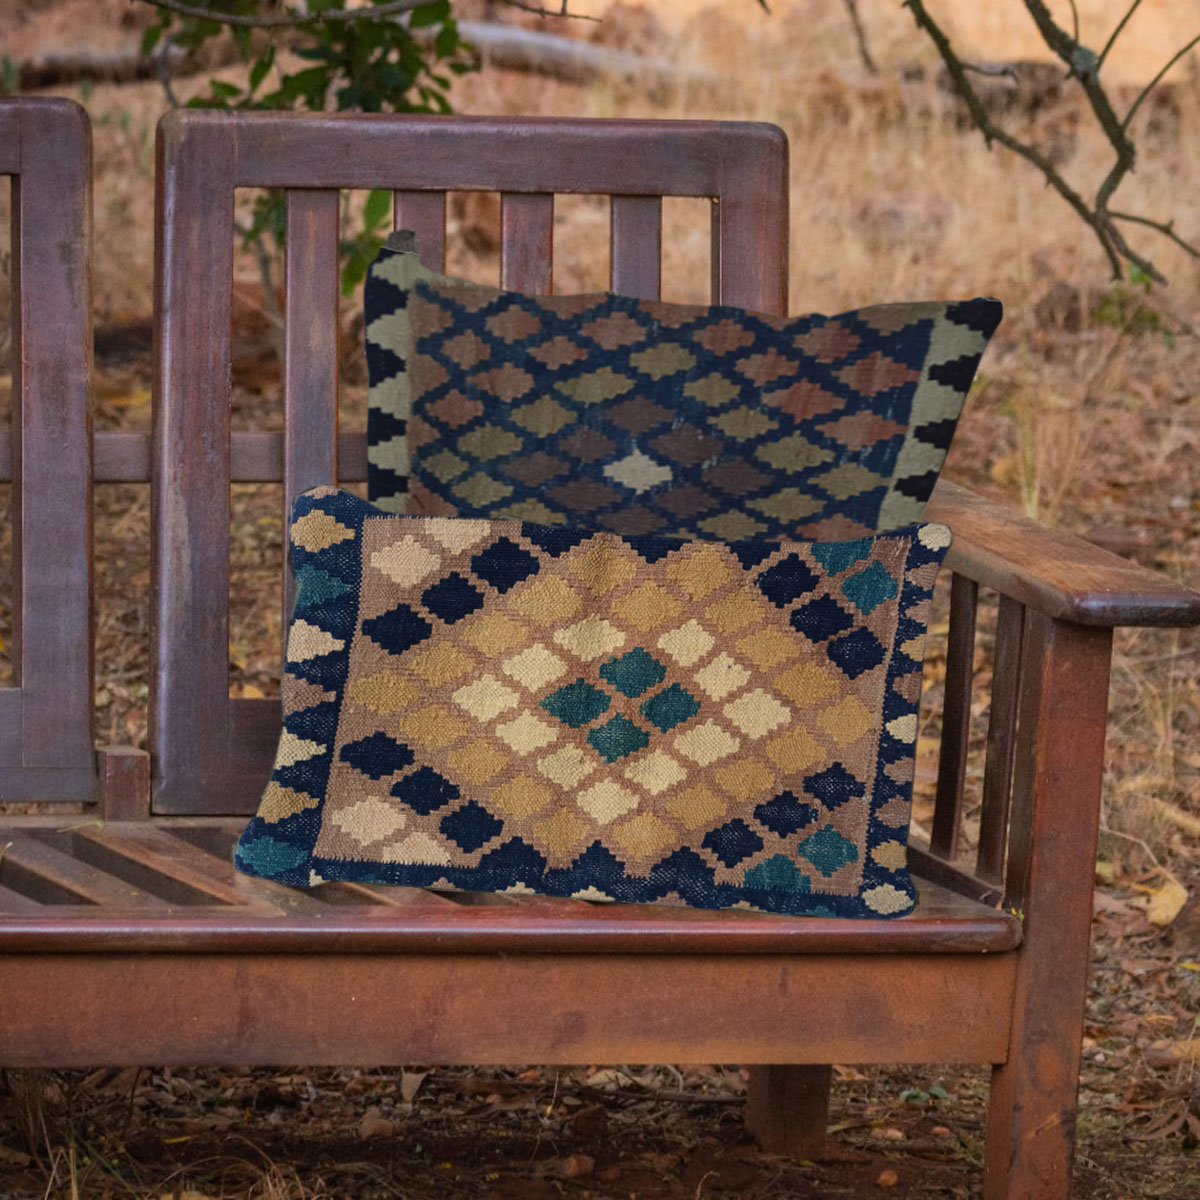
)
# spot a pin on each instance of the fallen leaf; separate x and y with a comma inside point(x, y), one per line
point(410, 1084)
point(1166, 903)
point(576, 1166)
point(15, 1158)
point(887, 1179)
point(374, 1124)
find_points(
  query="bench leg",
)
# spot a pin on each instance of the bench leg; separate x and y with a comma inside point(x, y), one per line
point(787, 1108)
point(1052, 853)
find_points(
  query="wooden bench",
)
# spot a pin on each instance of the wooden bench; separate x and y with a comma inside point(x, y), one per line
point(126, 935)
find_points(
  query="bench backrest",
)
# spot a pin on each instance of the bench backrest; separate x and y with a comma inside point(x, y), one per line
point(212, 752)
point(46, 748)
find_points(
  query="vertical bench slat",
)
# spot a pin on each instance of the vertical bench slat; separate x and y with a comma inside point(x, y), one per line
point(1001, 739)
point(636, 223)
point(310, 381)
point(750, 229)
point(48, 151)
point(526, 242)
point(189, 713)
point(956, 718)
point(425, 214)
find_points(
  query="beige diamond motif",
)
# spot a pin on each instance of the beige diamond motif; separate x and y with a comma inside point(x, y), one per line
point(706, 743)
point(756, 713)
point(370, 820)
point(535, 667)
point(567, 766)
point(526, 733)
point(722, 676)
point(590, 638)
point(405, 562)
point(638, 472)
point(486, 698)
point(307, 641)
point(655, 772)
point(606, 801)
point(688, 644)
point(455, 534)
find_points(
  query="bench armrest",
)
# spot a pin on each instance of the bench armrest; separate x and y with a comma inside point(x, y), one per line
point(1054, 572)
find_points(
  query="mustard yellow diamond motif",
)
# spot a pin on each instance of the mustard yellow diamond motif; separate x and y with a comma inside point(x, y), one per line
point(745, 779)
point(735, 611)
point(561, 832)
point(655, 772)
point(722, 677)
point(769, 647)
point(806, 684)
point(549, 600)
point(847, 720)
point(700, 572)
point(384, 693)
point(647, 606)
point(756, 713)
point(706, 743)
point(567, 767)
point(280, 802)
point(526, 733)
point(643, 835)
point(892, 856)
point(494, 633)
point(520, 797)
point(441, 664)
point(695, 806)
point(433, 726)
point(535, 667)
point(317, 531)
point(794, 750)
point(485, 698)
point(600, 567)
point(405, 562)
point(477, 761)
point(606, 801)
point(688, 644)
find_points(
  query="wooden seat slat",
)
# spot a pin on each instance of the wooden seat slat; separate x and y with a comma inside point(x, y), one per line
point(31, 865)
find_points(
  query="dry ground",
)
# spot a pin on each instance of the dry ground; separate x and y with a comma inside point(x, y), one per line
point(1087, 413)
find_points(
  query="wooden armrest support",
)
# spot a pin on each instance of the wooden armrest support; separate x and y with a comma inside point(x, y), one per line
point(1054, 572)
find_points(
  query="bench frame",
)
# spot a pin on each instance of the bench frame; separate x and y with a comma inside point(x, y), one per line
point(131, 939)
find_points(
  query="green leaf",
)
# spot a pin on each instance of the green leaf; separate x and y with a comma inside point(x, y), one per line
point(262, 65)
point(224, 91)
point(429, 14)
point(151, 36)
point(377, 208)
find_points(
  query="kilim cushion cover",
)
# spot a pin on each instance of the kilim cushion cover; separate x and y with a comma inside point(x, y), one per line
point(645, 417)
point(506, 706)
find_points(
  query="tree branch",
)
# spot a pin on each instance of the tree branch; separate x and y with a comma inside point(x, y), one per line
point(1084, 65)
point(376, 12)
point(860, 33)
point(1116, 33)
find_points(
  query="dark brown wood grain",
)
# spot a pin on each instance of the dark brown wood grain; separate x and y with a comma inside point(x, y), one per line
point(636, 264)
point(527, 242)
point(787, 1108)
point(956, 718)
point(183, 1008)
point(47, 750)
point(1052, 571)
point(1059, 765)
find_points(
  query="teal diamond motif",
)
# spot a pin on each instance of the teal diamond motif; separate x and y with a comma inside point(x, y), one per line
point(672, 706)
point(827, 850)
point(317, 586)
point(576, 704)
point(617, 738)
point(777, 874)
point(869, 588)
point(633, 673)
point(835, 557)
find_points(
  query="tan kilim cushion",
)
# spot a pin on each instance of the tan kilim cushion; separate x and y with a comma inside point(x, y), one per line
point(644, 417)
point(504, 706)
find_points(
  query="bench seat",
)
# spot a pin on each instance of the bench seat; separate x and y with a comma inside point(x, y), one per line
point(135, 886)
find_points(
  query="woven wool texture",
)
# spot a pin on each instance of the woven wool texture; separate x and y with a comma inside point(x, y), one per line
point(645, 417)
point(506, 706)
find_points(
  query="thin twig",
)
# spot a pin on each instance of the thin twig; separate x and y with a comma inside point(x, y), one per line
point(1166, 228)
point(1116, 33)
point(860, 33)
point(1157, 80)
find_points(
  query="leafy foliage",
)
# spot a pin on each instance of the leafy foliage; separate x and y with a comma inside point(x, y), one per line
point(363, 65)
